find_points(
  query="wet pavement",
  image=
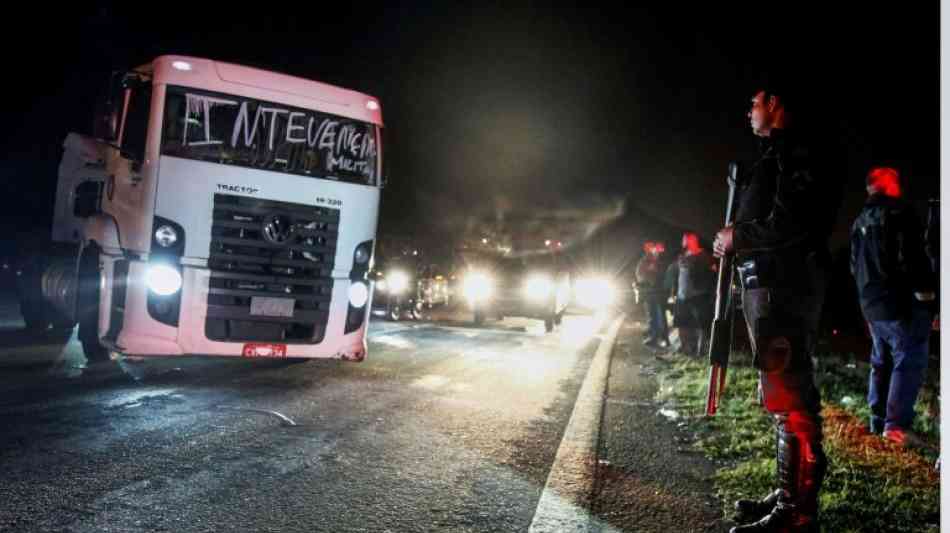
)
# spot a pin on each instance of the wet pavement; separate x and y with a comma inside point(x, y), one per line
point(445, 427)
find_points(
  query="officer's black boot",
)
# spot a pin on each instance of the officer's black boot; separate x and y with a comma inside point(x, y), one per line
point(753, 510)
point(801, 469)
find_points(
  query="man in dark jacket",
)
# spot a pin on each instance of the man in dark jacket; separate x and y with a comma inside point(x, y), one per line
point(896, 288)
point(693, 290)
point(786, 207)
point(650, 292)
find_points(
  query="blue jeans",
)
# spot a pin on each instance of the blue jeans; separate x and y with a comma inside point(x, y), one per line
point(898, 363)
point(656, 312)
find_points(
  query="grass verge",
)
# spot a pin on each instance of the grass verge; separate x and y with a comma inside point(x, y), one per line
point(871, 484)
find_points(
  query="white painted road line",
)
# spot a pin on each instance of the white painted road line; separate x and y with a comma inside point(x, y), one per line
point(565, 502)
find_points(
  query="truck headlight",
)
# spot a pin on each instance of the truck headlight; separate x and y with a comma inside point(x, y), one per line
point(163, 280)
point(478, 286)
point(362, 253)
point(166, 236)
point(359, 294)
point(397, 281)
point(539, 287)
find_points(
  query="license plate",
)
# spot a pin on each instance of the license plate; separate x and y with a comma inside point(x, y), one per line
point(264, 350)
point(266, 306)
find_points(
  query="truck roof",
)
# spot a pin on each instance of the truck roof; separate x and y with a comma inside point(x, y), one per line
point(239, 80)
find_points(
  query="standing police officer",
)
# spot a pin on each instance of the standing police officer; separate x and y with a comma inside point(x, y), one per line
point(783, 219)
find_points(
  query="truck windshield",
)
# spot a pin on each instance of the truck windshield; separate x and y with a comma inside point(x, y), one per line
point(252, 133)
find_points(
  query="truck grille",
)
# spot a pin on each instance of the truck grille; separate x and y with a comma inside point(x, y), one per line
point(265, 248)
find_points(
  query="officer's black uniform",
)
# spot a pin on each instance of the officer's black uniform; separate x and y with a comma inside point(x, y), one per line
point(784, 214)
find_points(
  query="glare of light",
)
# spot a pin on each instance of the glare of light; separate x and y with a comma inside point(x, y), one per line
point(478, 286)
point(539, 287)
point(359, 294)
point(163, 280)
point(181, 65)
point(398, 281)
point(594, 292)
point(578, 331)
point(381, 285)
point(484, 241)
point(547, 242)
point(372, 105)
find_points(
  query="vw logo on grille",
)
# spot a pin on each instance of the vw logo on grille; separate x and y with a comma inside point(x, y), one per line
point(277, 229)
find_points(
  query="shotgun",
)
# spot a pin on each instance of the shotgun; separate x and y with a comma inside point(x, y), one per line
point(720, 338)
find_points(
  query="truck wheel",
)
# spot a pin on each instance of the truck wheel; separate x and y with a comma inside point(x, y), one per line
point(34, 315)
point(88, 306)
point(549, 323)
point(33, 308)
point(558, 318)
point(479, 317)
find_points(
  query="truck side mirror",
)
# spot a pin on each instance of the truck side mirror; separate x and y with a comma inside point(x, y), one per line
point(108, 110)
point(137, 98)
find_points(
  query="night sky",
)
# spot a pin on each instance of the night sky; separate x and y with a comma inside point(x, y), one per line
point(504, 113)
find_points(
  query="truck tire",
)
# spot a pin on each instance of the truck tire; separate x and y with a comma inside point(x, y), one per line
point(479, 317)
point(558, 318)
point(88, 306)
point(29, 290)
point(34, 315)
point(549, 323)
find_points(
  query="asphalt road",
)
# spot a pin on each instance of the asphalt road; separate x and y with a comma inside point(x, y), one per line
point(445, 427)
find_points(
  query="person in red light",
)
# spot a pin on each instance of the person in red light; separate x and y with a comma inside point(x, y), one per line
point(650, 291)
point(785, 211)
point(896, 288)
point(692, 287)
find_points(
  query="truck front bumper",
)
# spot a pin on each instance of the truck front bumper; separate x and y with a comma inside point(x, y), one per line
point(126, 325)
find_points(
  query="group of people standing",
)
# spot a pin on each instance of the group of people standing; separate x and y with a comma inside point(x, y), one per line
point(786, 207)
point(685, 286)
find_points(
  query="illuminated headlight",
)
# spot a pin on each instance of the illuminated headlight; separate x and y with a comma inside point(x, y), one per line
point(595, 292)
point(166, 236)
point(359, 294)
point(539, 287)
point(381, 285)
point(398, 281)
point(163, 280)
point(478, 286)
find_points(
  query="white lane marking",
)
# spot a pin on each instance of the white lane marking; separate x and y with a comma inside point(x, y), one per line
point(565, 501)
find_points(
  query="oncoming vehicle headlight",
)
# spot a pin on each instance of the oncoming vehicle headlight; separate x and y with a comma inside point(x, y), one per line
point(397, 281)
point(539, 287)
point(163, 280)
point(478, 286)
point(381, 285)
point(595, 292)
point(166, 236)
